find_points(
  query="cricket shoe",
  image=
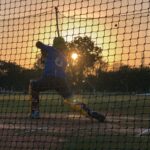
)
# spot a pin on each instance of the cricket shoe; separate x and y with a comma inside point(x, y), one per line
point(93, 114)
point(35, 115)
point(98, 116)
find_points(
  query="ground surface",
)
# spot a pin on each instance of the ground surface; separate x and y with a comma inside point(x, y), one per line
point(127, 117)
point(54, 131)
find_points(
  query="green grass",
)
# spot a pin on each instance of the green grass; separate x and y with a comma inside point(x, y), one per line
point(21, 104)
point(52, 103)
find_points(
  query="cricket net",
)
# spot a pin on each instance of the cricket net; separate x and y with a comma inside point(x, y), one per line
point(108, 53)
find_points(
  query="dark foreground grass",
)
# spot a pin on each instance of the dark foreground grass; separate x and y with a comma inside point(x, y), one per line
point(93, 141)
point(123, 105)
point(108, 142)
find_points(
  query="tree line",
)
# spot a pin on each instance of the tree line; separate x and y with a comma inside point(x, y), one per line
point(125, 79)
point(88, 72)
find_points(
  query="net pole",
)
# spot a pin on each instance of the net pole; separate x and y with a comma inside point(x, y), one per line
point(57, 27)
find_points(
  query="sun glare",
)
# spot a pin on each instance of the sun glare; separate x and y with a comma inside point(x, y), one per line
point(74, 56)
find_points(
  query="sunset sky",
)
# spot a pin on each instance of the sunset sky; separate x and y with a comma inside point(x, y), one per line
point(120, 27)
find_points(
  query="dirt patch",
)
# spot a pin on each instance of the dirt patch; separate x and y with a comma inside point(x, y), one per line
point(52, 131)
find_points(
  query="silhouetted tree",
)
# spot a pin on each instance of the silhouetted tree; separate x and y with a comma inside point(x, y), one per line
point(126, 79)
point(89, 60)
point(13, 76)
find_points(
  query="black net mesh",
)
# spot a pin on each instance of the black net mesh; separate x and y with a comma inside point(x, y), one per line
point(108, 69)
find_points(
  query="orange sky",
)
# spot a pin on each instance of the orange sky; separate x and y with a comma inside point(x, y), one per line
point(121, 28)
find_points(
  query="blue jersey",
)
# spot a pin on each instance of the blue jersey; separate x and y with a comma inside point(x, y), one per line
point(55, 62)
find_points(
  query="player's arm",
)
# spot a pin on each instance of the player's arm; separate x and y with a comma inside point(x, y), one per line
point(42, 47)
point(44, 51)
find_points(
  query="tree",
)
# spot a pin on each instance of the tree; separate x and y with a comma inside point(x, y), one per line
point(13, 76)
point(89, 60)
point(126, 79)
point(10, 74)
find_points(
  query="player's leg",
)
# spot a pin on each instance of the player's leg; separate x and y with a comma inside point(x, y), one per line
point(34, 99)
point(63, 88)
point(77, 106)
point(65, 91)
point(83, 109)
point(35, 87)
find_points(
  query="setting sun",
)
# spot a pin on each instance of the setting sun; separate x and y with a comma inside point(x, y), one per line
point(74, 56)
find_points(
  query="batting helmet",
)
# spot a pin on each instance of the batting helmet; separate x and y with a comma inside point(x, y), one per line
point(59, 43)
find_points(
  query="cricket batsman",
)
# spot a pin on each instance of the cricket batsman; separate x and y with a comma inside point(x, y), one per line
point(54, 77)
